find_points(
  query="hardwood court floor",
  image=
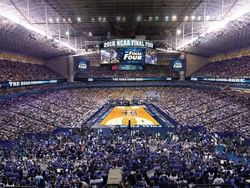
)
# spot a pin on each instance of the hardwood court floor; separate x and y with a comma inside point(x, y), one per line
point(120, 115)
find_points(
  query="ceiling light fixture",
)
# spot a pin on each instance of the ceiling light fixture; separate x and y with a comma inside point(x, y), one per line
point(217, 25)
point(20, 21)
point(174, 18)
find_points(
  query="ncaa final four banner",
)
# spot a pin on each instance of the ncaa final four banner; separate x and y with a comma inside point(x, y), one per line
point(123, 55)
point(128, 51)
point(120, 43)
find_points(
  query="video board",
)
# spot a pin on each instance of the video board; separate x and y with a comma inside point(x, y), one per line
point(127, 67)
point(128, 51)
point(81, 65)
point(123, 56)
point(150, 56)
point(178, 65)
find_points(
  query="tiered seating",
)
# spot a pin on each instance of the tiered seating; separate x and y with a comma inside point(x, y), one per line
point(149, 71)
point(215, 111)
point(17, 71)
point(230, 68)
point(48, 111)
point(85, 156)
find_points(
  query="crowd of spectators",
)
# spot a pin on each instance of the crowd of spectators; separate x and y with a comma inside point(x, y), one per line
point(105, 71)
point(215, 110)
point(229, 68)
point(45, 112)
point(18, 71)
point(84, 158)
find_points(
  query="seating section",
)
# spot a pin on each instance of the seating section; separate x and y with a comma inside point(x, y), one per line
point(230, 68)
point(84, 156)
point(43, 113)
point(17, 71)
point(105, 71)
point(214, 110)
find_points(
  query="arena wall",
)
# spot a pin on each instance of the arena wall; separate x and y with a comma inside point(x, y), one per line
point(20, 58)
point(60, 65)
point(230, 55)
point(194, 63)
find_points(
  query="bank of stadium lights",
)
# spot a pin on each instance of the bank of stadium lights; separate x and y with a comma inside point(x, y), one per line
point(92, 19)
point(124, 19)
point(67, 33)
point(174, 18)
point(166, 18)
point(103, 19)
point(138, 18)
point(17, 19)
point(178, 32)
point(186, 18)
point(90, 34)
point(192, 18)
point(118, 18)
point(156, 18)
point(50, 20)
point(4, 21)
point(64, 20)
point(150, 18)
point(217, 25)
point(199, 18)
point(79, 19)
point(57, 20)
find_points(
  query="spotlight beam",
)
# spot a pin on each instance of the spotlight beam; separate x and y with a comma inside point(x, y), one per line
point(20, 21)
point(216, 26)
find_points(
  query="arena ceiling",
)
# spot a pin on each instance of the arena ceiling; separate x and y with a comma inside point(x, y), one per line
point(83, 24)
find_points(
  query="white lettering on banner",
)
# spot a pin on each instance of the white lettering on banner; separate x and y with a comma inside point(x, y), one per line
point(149, 44)
point(177, 65)
point(127, 43)
point(238, 80)
point(28, 83)
point(14, 84)
point(132, 56)
point(194, 79)
point(137, 43)
point(53, 81)
point(121, 43)
point(109, 44)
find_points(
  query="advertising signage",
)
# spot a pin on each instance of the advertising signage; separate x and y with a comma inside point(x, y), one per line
point(120, 43)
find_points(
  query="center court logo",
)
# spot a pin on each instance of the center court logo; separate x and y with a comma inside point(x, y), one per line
point(130, 55)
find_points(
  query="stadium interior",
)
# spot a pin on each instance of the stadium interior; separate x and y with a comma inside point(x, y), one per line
point(125, 94)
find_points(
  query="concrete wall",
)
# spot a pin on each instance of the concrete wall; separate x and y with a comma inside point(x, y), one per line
point(231, 55)
point(194, 63)
point(20, 58)
point(59, 65)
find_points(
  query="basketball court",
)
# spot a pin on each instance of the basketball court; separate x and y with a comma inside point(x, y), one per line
point(125, 115)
